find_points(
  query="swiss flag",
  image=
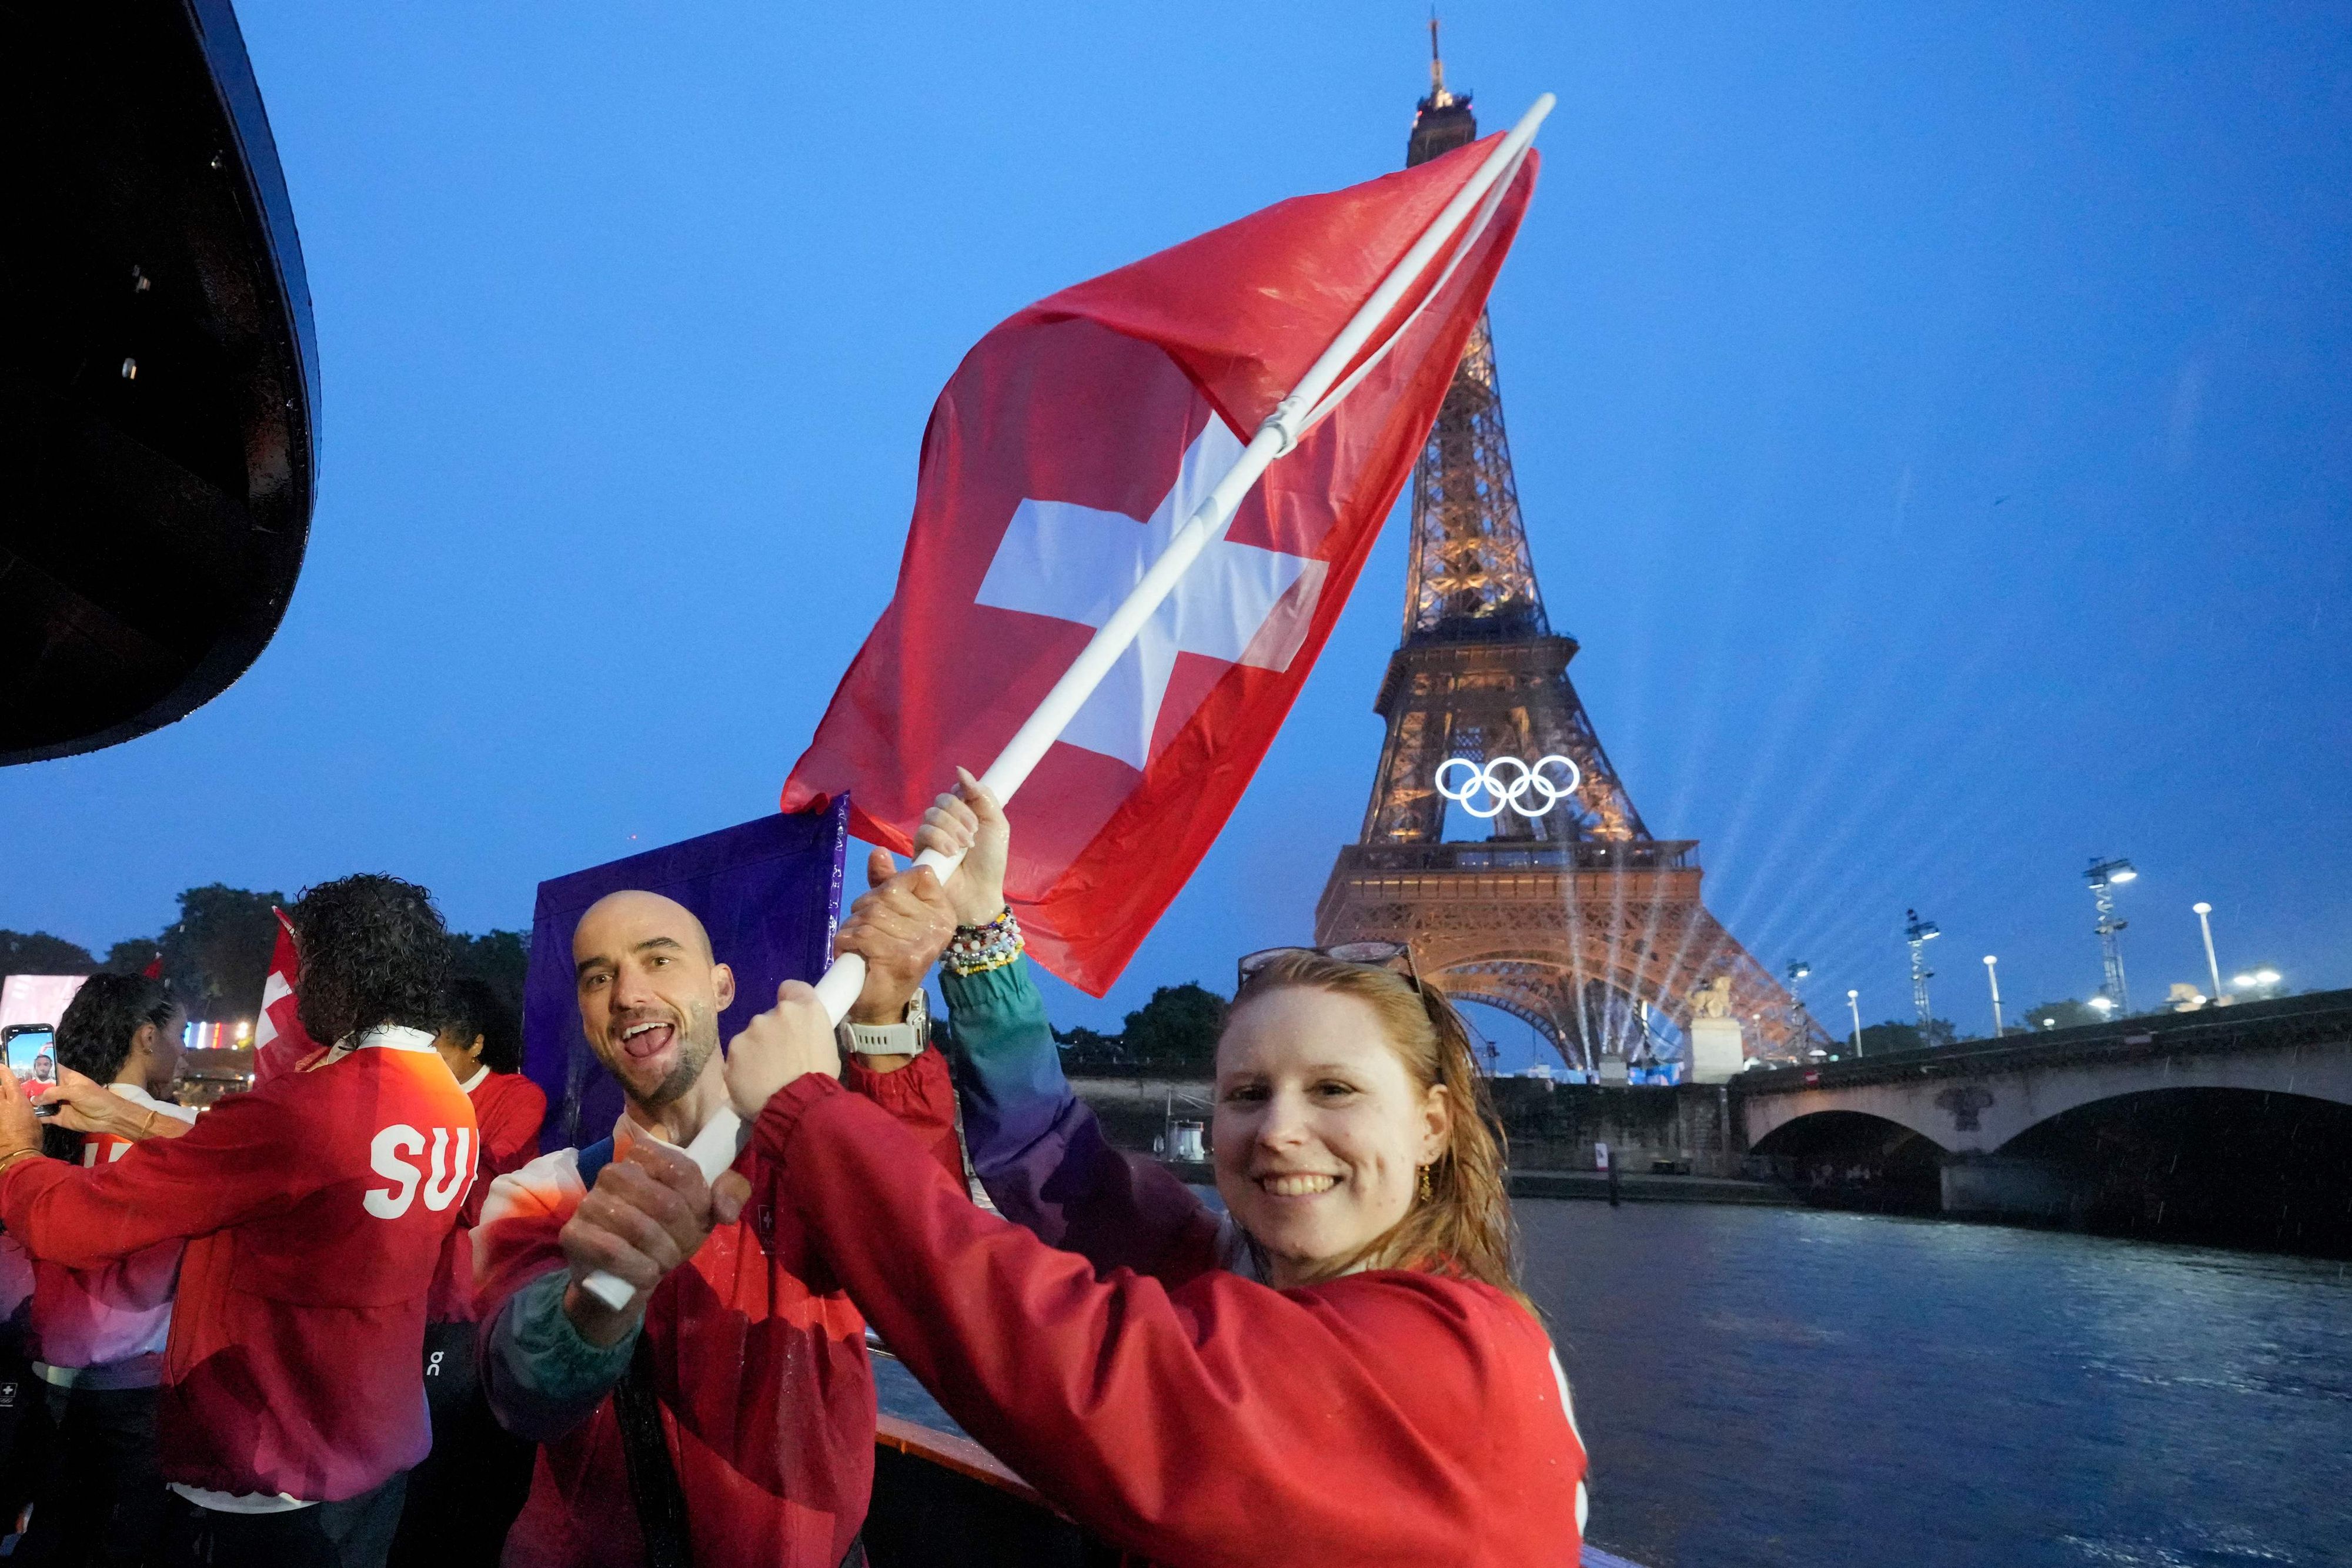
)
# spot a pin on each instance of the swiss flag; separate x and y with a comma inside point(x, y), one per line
point(1069, 446)
point(281, 1044)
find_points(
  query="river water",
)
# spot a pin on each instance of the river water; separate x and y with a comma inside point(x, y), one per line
point(1817, 1390)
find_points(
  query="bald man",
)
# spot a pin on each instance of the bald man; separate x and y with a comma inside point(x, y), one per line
point(726, 1414)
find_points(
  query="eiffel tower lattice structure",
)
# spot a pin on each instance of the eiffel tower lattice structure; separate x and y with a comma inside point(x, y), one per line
point(1575, 920)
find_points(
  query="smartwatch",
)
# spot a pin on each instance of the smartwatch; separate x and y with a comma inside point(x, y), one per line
point(906, 1038)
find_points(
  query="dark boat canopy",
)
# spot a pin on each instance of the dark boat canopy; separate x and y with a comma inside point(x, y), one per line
point(159, 377)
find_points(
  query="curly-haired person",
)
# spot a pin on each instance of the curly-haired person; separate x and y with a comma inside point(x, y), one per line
point(315, 1209)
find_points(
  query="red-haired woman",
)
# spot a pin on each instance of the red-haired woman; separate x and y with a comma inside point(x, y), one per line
point(1345, 1372)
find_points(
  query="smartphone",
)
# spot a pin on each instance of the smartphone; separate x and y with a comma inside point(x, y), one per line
point(33, 1058)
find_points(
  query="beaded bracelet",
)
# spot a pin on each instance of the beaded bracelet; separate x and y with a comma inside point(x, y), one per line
point(977, 948)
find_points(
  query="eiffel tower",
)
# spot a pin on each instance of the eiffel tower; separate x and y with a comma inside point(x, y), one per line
point(1575, 919)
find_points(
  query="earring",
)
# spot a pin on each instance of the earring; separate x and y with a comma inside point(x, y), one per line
point(1427, 1191)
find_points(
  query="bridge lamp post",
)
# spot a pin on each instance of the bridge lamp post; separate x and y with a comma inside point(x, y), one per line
point(2105, 877)
point(1853, 1005)
point(1797, 970)
point(1992, 978)
point(2213, 966)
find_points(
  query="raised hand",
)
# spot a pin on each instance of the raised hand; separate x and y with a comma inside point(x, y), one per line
point(19, 1128)
point(85, 1105)
point(791, 1038)
point(969, 821)
point(647, 1215)
point(900, 928)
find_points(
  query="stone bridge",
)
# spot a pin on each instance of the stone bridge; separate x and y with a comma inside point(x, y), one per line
point(2047, 1124)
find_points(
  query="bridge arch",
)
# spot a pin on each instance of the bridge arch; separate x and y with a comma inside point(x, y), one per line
point(1859, 1158)
point(2234, 1129)
point(2064, 1093)
point(1898, 1104)
point(1980, 1113)
point(1582, 1012)
point(1813, 1124)
point(2238, 1166)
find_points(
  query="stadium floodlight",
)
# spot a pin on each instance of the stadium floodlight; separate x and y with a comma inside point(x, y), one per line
point(1918, 934)
point(2104, 877)
point(1797, 970)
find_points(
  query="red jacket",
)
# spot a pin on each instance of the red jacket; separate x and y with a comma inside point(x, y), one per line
point(508, 1110)
point(759, 1363)
point(1197, 1417)
point(110, 1323)
point(315, 1209)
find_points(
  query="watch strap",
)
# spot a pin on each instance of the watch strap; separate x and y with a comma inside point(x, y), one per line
point(882, 1039)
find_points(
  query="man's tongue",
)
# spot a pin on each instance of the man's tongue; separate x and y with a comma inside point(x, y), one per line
point(647, 1042)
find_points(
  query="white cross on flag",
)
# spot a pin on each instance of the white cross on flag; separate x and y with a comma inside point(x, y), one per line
point(1069, 446)
point(279, 1041)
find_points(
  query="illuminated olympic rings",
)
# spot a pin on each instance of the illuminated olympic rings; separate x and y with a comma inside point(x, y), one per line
point(1485, 792)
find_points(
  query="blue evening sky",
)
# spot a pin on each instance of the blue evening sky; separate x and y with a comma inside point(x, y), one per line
point(1932, 420)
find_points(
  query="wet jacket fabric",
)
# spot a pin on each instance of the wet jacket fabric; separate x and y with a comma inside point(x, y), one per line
point(315, 1209)
point(758, 1360)
point(105, 1328)
point(508, 1110)
point(1179, 1409)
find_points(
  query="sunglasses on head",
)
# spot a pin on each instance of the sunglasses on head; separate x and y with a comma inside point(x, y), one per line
point(1365, 954)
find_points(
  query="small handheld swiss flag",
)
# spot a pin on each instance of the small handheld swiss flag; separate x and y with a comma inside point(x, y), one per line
point(281, 1044)
point(1068, 447)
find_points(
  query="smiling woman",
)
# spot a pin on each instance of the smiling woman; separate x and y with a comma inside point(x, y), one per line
point(1352, 1128)
point(1160, 1373)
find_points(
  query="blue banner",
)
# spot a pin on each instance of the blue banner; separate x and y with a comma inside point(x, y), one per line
point(768, 892)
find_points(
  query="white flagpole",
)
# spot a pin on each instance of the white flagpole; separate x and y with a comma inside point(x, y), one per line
point(714, 1151)
point(1277, 436)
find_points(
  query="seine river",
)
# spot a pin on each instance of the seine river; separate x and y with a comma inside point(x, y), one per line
point(1815, 1390)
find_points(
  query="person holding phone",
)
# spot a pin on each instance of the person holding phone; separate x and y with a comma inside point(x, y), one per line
point(315, 1209)
point(99, 1333)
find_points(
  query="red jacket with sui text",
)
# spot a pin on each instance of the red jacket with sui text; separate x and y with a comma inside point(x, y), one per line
point(315, 1209)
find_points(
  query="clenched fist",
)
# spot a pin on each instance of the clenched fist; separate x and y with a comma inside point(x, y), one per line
point(791, 1038)
point(970, 822)
point(647, 1215)
point(900, 928)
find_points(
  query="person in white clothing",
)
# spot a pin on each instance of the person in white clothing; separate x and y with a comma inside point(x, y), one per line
point(99, 1333)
